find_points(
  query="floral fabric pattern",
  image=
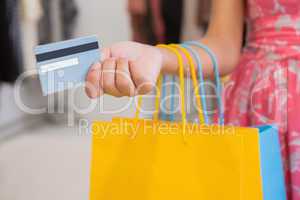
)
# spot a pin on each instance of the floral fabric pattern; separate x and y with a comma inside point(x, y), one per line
point(265, 86)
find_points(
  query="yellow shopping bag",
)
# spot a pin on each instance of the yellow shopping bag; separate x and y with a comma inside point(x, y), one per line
point(136, 159)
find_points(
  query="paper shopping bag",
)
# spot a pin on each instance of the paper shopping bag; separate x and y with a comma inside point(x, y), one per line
point(148, 160)
point(145, 161)
point(261, 157)
point(156, 160)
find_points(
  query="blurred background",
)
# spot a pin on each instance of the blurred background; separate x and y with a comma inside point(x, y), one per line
point(46, 155)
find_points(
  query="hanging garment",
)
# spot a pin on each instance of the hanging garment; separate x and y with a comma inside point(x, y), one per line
point(157, 25)
point(68, 14)
point(172, 9)
point(31, 14)
point(143, 15)
point(10, 43)
point(191, 29)
point(44, 25)
point(58, 21)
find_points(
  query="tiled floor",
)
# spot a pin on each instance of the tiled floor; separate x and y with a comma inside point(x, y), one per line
point(48, 162)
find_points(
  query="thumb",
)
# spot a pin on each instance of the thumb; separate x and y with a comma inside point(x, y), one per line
point(105, 53)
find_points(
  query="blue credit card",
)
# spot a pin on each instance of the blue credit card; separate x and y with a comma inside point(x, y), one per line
point(64, 65)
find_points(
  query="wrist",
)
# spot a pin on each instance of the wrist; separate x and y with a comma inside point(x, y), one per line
point(170, 61)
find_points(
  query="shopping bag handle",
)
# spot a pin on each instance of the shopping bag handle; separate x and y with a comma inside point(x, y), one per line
point(201, 80)
point(176, 50)
point(171, 116)
point(184, 49)
point(159, 83)
point(157, 101)
point(182, 89)
point(181, 78)
point(213, 58)
point(181, 92)
point(195, 82)
point(200, 99)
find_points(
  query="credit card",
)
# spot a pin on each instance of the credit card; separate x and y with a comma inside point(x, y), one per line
point(64, 65)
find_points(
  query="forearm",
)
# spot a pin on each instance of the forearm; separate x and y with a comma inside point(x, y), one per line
point(224, 38)
point(227, 53)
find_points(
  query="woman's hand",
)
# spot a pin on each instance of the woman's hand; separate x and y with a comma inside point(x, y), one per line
point(126, 69)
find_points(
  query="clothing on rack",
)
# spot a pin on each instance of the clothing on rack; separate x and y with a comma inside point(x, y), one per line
point(157, 24)
point(31, 13)
point(68, 14)
point(10, 42)
point(58, 21)
point(172, 9)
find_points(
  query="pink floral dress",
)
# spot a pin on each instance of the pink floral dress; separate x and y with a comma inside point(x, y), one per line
point(265, 87)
